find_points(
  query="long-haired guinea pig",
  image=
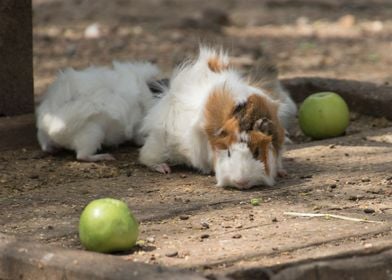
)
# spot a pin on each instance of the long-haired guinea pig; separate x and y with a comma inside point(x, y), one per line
point(83, 110)
point(212, 119)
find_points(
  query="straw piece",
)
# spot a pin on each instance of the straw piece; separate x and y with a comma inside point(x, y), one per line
point(327, 216)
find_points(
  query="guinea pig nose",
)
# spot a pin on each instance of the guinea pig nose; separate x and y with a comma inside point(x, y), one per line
point(241, 183)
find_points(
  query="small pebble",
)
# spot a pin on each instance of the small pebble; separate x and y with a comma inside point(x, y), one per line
point(375, 191)
point(204, 236)
point(364, 180)
point(333, 186)
point(70, 50)
point(184, 217)
point(237, 236)
point(274, 220)
point(38, 155)
point(369, 210)
point(117, 46)
point(210, 18)
point(216, 16)
point(92, 31)
point(205, 225)
point(34, 176)
point(183, 176)
point(355, 197)
point(151, 191)
point(150, 239)
point(171, 254)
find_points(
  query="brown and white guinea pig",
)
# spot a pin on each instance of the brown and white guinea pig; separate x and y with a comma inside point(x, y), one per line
point(212, 119)
point(85, 109)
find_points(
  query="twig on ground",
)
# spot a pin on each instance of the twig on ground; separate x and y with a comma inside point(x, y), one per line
point(330, 216)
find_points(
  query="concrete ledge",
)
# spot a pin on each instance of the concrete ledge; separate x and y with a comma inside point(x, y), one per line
point(24, 260)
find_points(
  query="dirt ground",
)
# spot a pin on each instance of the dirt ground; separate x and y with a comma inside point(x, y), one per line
point(186, 221)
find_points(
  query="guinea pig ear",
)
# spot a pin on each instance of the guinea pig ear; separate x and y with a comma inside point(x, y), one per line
point(263, 125)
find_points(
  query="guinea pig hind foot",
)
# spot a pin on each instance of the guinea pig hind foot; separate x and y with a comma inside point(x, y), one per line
point(51, 149)
point(282, 173)
point(163, 168)
point(96, 157)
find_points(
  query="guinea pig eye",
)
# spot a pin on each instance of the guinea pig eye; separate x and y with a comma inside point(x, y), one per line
point(257, 153)
point(221, 133)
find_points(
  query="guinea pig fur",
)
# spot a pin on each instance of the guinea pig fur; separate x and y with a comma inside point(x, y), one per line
point(212, 119)
point(83, 110)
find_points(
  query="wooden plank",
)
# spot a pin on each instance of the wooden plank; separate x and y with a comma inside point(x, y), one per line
point(16, 67)
point(27, 260)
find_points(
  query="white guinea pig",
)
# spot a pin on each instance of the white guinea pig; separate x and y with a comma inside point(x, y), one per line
point(212, 119)
point(83, 110)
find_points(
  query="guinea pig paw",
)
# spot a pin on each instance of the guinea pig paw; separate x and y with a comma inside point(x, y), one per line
point(163, 168)
point(50, 149)
point(282, 173)
point(97, 157)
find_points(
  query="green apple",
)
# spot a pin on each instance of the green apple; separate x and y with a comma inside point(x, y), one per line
point(323, 115)
point(107, 225)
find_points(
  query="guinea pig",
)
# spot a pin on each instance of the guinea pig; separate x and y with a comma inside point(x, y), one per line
point(83, 110)
point(214, 120)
